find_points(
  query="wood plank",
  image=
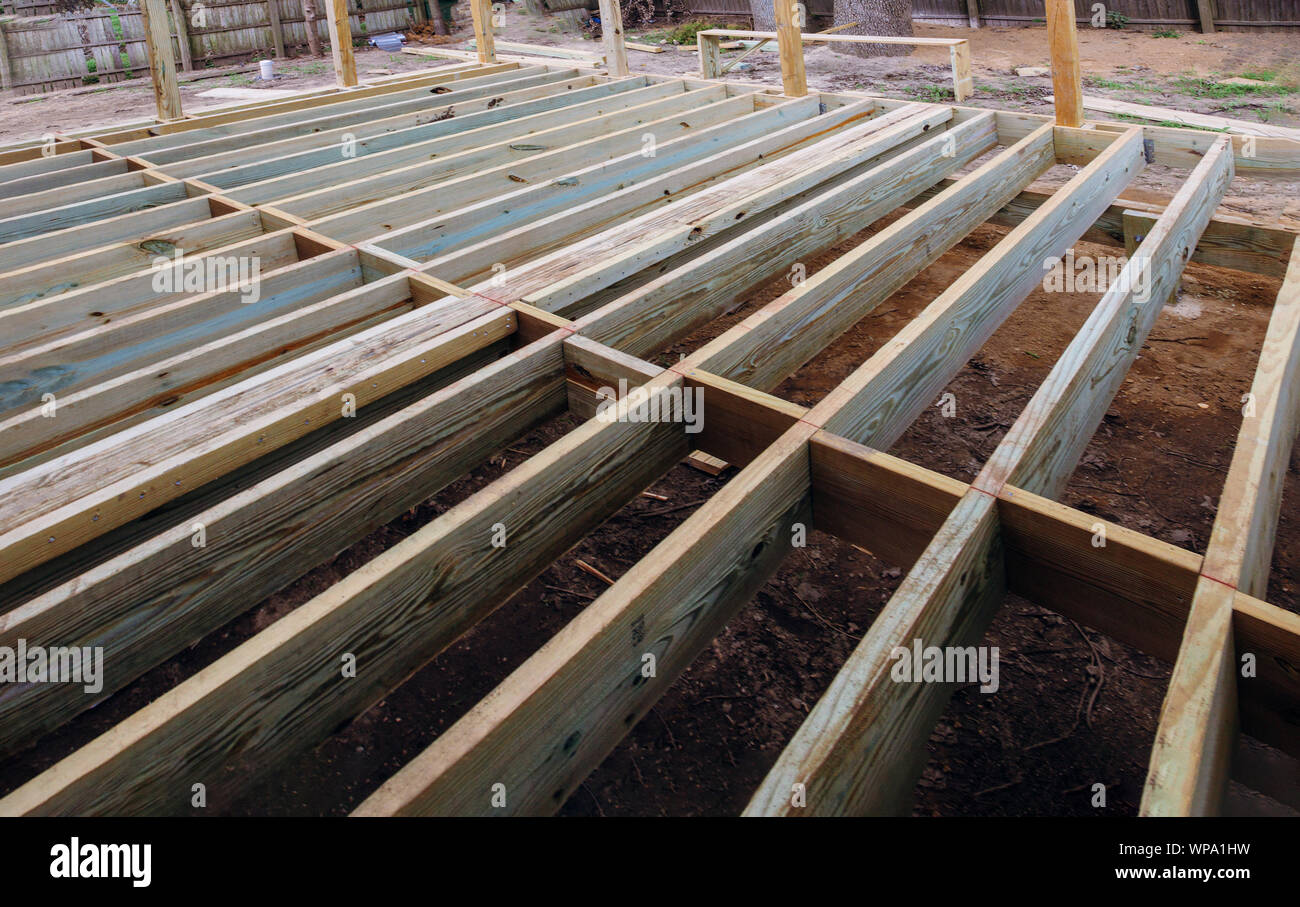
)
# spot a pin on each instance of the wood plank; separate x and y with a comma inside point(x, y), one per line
point(611, 35)
point(1186, 118)
point(465, 243)
point(395, 613)
point(1198, 724)
point(566, 276)
point(775, 341)
point(58, 505)
point(1197, 734)
point(673, 304)
point(340, 30)
point(162, 65)
point(363, 178)
point(1067, 79)
point(789, 22)
point(922, 358)
point(298, 515)
point(543, 729)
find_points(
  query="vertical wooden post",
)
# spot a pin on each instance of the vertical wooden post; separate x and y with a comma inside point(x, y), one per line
point(793, 77)
point(182, 35)
point(277, 30)
point(611, 31)
point(6, 77)
point(1206, 9)
point(710, 55)
point(963, 83)
point(162, 66)
point(481, 11)
point(345, 64)
point(973, 12)
point(1067, 82)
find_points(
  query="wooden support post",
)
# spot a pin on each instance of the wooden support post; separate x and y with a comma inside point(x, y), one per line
point(963, 83)
point(277, 30)
point(790, 43)
point(6, 77)
point(345, 64)
point(710, 55)
point(973, 11)
point(1206, 10)
point(158, 42)
point(182, 35)
point(611, 30)
point(1067, 83)
point(484, 43)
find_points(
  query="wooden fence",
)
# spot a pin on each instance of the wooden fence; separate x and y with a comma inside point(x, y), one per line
point(40, 50)
point(1229, 15)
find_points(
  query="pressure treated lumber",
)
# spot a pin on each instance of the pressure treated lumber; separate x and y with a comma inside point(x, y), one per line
point(611, 36)
point(964, 316)
point(788, 25)
point(860, 749)
point(1067, 80)
point(710, 42)
point(264, 536)
point(127, 474)
point(1190, 761)
point(340, 30)
point(602, 263)
point(162, 65)
point(481, 13)
point(393, 614)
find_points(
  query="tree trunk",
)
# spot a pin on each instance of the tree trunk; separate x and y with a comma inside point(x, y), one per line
point(313, 37)
point(435, 10)
point(886, 18)
point(764, 13)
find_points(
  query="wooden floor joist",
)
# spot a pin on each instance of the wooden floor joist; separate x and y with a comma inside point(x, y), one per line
point(446, 260)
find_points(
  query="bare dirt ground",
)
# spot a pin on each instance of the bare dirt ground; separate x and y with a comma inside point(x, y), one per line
point(27, 117)
point(1074, 707)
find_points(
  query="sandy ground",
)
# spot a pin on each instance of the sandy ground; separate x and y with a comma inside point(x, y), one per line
point(27, 117)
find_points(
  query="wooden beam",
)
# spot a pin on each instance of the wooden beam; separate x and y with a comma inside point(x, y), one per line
point(866, 409)
point(760, 44)
point(611, 33)
point(788, 25)
point(1197, 734)
point(162, 66)
point(1067, 80)
point(182, 34)
point(484, 42)
point(293, 398)
point(1205, 10)
point(675, 303)
point(1192, 755)
point(1240, 551)
point(340, 29)
point(773, 342)
point(862, 747)
point(555, 718)
point(305, 507)
point(393, 615)
point(277, 30)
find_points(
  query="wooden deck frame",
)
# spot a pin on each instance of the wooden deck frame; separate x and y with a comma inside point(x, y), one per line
point(791, 49)
point(450, 360)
